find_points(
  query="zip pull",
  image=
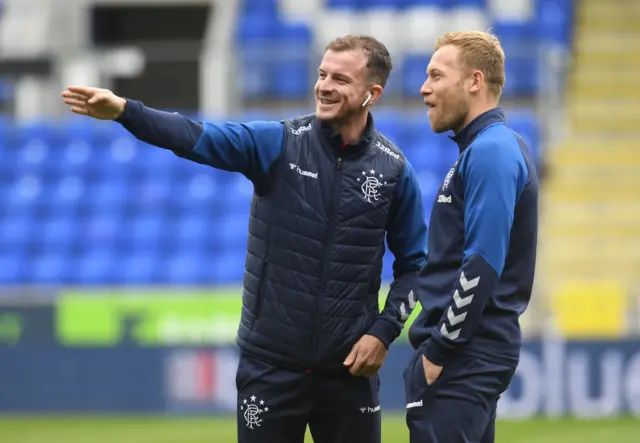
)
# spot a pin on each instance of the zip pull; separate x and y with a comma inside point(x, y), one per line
point(339, 165)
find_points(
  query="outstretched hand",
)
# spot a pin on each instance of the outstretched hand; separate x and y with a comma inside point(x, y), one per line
point(366, 356)
point(100, 104)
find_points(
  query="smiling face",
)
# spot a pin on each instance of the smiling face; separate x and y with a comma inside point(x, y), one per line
point(446, 90)
point(342, 86)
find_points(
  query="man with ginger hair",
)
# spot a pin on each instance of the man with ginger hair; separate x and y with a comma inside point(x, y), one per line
point(482, 250)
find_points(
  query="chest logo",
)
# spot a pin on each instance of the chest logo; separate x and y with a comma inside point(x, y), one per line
point(370, 185)
point(296, 168)
point(449, 176)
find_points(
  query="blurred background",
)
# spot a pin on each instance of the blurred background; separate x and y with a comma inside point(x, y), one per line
point(121, 264)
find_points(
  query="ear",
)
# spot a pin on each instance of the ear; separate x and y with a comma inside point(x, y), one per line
point(376, 94)
point(477, 79)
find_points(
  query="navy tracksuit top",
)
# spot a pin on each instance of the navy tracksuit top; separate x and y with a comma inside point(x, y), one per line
point(481, 249)
point(320, 215)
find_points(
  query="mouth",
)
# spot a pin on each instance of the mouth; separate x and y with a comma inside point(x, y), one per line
point(328, 102)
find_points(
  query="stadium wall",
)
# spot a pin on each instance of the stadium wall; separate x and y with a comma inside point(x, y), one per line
point(174, 353)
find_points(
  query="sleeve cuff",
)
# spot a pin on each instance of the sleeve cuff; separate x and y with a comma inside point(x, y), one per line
point(132, 111)
point(385, 330)
point(435, 353)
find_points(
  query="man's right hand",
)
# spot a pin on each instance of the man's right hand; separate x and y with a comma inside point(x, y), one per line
point(101, 104)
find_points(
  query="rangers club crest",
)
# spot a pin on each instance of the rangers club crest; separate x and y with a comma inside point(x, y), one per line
point(253, 409)
point(370, 184)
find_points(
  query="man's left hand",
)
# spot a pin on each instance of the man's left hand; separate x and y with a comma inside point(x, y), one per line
point(366, 356)
point(431, 371)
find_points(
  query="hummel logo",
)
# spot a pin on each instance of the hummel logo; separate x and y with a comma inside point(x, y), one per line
point(415, 404)
point(295, 167)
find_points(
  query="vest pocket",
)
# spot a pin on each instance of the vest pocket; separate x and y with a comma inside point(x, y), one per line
point(263, 282)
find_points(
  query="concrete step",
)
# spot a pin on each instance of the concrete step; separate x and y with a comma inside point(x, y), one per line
point(612, 159)
point(612, 60)
point(561, 249)
point(556, 273)
point(610, 180)
point(608, 141)
point(594, 125)
point(589, 266)
point(607, 24)
point(591, 209)
point(586, 83)
point(603, 41)
point(608, 10)
point(592, 116)
point(623, 232)
point(596, 225)
point(568, 194)
point(586, 93)
point(610, 108)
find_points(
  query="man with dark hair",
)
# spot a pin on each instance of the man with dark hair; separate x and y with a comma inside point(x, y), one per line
point(328, 189)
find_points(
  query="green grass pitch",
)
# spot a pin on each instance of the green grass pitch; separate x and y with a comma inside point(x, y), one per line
point(65, 429)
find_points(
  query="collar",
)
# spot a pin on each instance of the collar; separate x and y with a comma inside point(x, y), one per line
point(335, 141)
point(466, 136)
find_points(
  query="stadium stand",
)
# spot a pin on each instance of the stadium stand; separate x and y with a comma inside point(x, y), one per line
point(85, 203)
point(408, 27)
point(592, 200)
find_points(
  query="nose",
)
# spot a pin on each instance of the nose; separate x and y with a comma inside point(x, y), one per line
point(324, 87)
point(425, 90)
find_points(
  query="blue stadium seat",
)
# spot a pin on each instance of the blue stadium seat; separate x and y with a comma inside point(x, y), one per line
point(109, 194)
point(414, 74)
point(15, 230)
point(49, 268)
point(186, 269)
point(138, 268)
point(228, 268)
point(292, 77)
point(191, 229)
point(554, 20)
point(255, 35)
point(102, 231)
point(21, 196)
point(390, 125)
point(57, 231)
point(431, 3)
point(12, 267)
point(150, 194)
point(343, 4)
point(521, 64)
point(525, 124)
point(268, 8)
point(479, 4)
point(95, 267)
point(382, 4)
point(144, 232)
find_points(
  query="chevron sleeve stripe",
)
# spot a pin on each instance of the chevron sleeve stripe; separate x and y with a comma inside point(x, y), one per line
point(470, 295)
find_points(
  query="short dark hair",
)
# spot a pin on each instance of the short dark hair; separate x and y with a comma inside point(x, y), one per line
point(379, 63)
